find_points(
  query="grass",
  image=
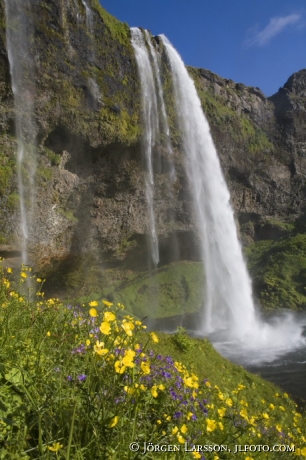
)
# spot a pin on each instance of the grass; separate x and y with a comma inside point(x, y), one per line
point(84, 382)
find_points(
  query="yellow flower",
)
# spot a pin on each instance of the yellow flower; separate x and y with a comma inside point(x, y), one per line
point(9, 270)
point(128, 327)
point(221, 426)
point(105, 328)
point(210, 425)
point(99, 348)
point(56, 446)
point(265, 415)
point(184, 429)
point(109, 316)
point(93, 313)
point(248, 458)
point(189, 415)
point(161, 387)
point(229, 402)
point(154, 337)
point(145, 367)
point(129, 390)
point(87, 342)
point(93, 303)
point(180, 439)
point(279, 428)
point(272, 406)
point(114, 421)
point(23, 275)
point(128, 358)
point(108, 304)
point(196, 454)
point(244, 414)
point(174, 430)
point(48, 333)
point(154, 391)
point(282, 408)
point(119, 367)
point(222, 411)
point(221, 396)
point(39, 280)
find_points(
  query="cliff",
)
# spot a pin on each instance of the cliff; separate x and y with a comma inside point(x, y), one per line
point(90, 222)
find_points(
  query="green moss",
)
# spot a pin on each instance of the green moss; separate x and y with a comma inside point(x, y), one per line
point(119, 31)
point(13, 201)
point(54, 158)
point(68, 214)
point(278, 269)
point(241, 129)
point(7, 166)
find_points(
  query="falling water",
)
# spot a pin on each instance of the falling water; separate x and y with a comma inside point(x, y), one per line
point(229, 314)
point(18, 38)
point(165, 125)
point(151, 127)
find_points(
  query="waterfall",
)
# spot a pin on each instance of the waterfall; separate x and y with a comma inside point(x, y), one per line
point(151, 129)
point(228, 293)
point(18, 38)
point(229, 318)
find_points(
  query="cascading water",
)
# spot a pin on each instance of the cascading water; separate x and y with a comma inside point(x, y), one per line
point(228, 293)
point(229, 314)
point(228, 304)
point(151, 128)
point(18, 37)
point(165, 126)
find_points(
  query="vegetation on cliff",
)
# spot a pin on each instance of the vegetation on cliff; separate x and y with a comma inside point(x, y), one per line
point(86, 382)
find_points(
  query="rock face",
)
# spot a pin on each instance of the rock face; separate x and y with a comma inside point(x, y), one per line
point(91, 219)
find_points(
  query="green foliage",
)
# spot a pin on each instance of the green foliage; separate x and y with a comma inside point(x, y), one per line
point(82, 383)
point(7, 166)
point(278, 269)
point(13, 201)
point(239, 128)
point(68, 214)
point(182, 340)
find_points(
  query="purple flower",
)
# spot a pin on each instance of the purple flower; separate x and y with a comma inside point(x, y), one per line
point(82, 377)
point(69, 378)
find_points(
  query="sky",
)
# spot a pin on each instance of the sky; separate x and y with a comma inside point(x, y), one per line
point(258, 43)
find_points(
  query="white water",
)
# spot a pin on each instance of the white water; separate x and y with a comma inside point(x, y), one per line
point(18, 38)
point(229, 314)
point(151, 128)
point(164, 118)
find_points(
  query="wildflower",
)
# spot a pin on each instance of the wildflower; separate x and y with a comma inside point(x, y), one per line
point(82, 377)
point(39, 280)
point(154, 391)
point(196, 454)
point(265, 415)
point(145, 367)
point(114, 421)
point(128, 358)
point(184, 429)
point(109, 316)
point(282, 408)
point(23, 275)
point(210, 425)
point(222, 411)
point(48, 333)
point(93, 312)
point(105, 327)
point(221, 426)
point(109, 304)
point(174, 430)
point(93, 303)
point(56, 446)
point(154, 337)
point(180, 439)
point(128, 327)
point(229, 402)
point(119, 367)
point(9, 270)
point(99, 348)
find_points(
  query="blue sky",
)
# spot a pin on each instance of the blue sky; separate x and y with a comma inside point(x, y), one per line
point(258, 43)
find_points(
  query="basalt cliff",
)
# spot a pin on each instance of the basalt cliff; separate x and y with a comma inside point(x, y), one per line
point(89, 228)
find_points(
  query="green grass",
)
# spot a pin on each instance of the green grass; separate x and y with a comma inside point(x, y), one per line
point(84, 382)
